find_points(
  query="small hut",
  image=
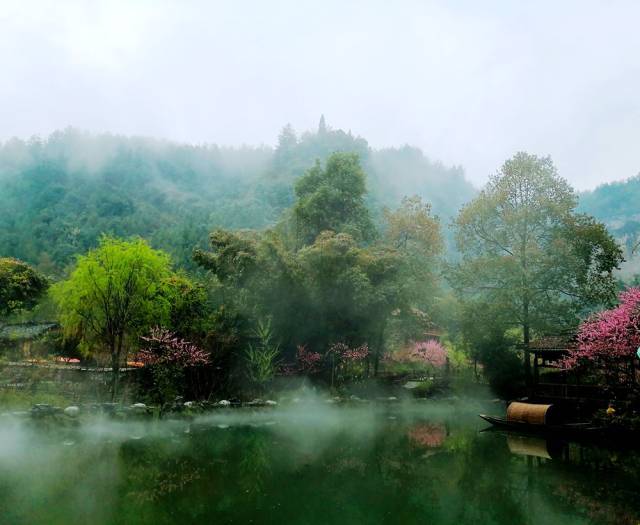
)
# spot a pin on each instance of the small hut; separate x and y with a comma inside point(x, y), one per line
point(548, 351)
point(20, 341)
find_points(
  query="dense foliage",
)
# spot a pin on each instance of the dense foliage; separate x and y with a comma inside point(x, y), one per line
point(324, 255)
point(60, 194)
point(115, 293)
point(526, 251)
point(20, 286)
point(356, 291)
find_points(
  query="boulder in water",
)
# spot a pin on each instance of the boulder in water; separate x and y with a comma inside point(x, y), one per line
point(224, 403)
point(72, 411)
point(139, 407)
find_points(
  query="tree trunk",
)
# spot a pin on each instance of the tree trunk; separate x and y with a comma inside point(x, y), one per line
point(527, 352)
point(378, 352)
point(116, 352)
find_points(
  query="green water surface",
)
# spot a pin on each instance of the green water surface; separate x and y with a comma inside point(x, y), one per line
point(309, 463)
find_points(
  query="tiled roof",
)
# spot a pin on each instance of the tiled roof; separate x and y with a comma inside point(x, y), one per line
point(552, 342)
point(25, 330)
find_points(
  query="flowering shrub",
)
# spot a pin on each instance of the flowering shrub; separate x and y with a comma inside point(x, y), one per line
point(167, 355)
point(430, 352)
point(342, 361)
point(163, 347)
point(353, 355)
point(609, 336)
point(346, 363)
point(308, 362)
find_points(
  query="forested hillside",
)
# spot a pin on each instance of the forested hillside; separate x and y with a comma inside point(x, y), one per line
point(617, 205)
point(61, 193)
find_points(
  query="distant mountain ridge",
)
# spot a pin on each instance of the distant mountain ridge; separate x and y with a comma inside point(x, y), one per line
point(617, 205)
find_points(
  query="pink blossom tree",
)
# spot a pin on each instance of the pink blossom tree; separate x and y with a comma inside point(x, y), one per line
point(168, 356)
point(430, 352)
point(610, 337)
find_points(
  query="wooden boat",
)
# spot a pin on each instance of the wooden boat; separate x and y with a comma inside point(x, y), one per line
point(539, 419)
point(529, 428)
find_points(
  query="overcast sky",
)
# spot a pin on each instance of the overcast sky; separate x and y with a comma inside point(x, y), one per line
point(470, 82)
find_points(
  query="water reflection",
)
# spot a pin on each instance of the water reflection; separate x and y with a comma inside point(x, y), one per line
point(534, 446)
point(313, 465)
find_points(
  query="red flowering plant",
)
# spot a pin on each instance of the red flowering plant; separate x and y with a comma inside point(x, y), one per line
point(609, 338)
point(163, 347)
point(168, 355)
point(347, 363)
point(308, 362)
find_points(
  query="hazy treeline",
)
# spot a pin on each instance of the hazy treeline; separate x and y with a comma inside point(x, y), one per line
point(60, 193)
point(322, 257)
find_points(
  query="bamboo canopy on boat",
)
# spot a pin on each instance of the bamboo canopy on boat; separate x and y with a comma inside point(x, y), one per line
point(530, 413)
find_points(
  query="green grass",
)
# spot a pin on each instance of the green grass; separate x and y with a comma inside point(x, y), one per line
point(22, 400)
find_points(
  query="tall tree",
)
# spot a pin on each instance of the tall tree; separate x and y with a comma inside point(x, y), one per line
point(353, 292)
point(332, 198)
point(526, 251)
point(414, 234)
point(116, 292)
point(20, 286)
point(322, 126)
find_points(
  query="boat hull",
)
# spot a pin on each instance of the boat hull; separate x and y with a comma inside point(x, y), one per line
point(565, 430)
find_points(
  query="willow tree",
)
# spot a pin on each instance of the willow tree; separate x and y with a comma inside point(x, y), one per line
point(527, 253)
point(116, 292)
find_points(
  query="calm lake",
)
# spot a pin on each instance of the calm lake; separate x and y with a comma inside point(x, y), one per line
point(309, 463)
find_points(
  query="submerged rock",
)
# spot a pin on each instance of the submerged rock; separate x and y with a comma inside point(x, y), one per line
point(43, 409)
point(139, 408)
point(109, 408)
point(270, 402)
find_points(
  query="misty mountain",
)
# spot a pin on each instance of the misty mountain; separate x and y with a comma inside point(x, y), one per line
point(617, 205)
point(58, 195)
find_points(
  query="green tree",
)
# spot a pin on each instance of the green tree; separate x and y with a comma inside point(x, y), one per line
point(20, 286)
point(332, 198)
point(352, 292)
point(116, 291)
point(526, 252)
point(414, 233)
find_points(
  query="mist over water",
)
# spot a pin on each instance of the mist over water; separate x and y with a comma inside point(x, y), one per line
point(306, 462)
